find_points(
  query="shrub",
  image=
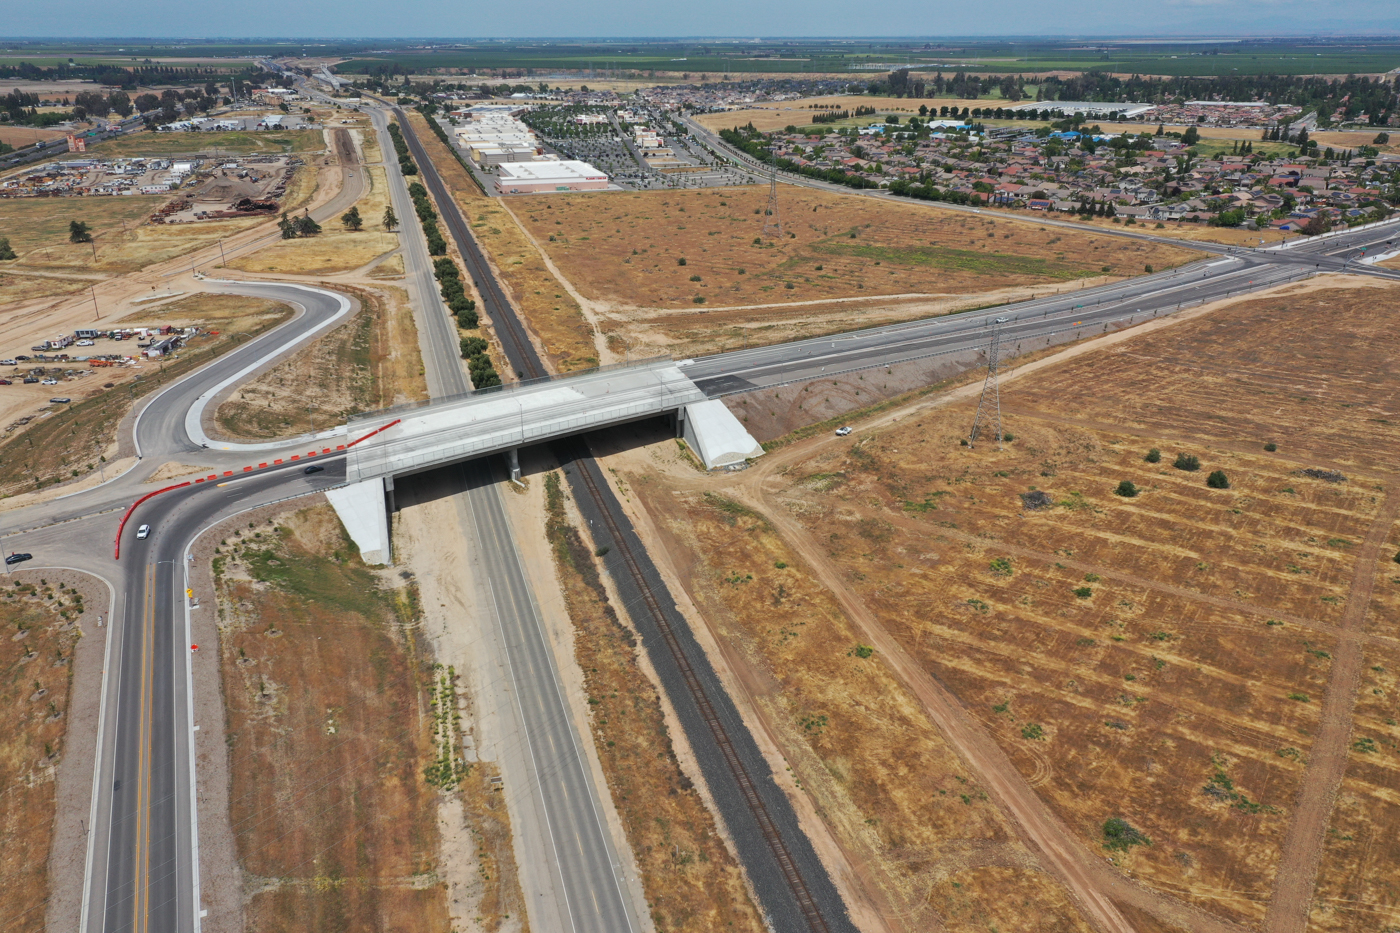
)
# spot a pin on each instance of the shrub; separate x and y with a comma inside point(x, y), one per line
point(6, 252)
point(864, 651)
point(681, 261)
point(695, 278)
point(1148, 268)
point(1001, 566)
point(1032, 731)
point(1271, 447)
point(1119, 835)
point(1188, 462)
point(1153, 456)
point(1083, 592)
point(1127, 489)
point(1218, 480)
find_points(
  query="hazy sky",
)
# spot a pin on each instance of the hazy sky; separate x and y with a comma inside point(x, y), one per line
point(643, 18)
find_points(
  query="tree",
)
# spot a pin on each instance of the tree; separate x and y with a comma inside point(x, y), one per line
point(1317, 225)
point(78, 232)
point(1191, 136)
point(1188, 462)
point(1127, 489)
point(1218, 480)
point(288, 228)
point(120, 101)
point(307, 227)
point(145, 103)
point(352, 219)
point(1381, 139)
point(6, 251)
point(390, 219)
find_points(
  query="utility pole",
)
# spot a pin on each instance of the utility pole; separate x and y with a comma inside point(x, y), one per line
point(772, 223)
point(990, 402)
point(95, 308)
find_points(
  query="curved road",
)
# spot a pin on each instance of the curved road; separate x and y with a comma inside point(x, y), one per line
point(141, 854)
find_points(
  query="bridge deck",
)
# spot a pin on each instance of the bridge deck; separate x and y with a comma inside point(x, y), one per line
point(492, 422)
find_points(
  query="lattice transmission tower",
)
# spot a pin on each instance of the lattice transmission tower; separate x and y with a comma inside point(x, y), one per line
point(772, 223)
point(989, 406)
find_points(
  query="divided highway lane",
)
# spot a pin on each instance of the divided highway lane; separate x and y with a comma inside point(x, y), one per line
point(144, 862)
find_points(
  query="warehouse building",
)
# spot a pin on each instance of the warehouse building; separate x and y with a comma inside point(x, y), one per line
point(537, 177)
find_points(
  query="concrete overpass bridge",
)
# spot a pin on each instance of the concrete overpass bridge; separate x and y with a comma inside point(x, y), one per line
point(412, 439)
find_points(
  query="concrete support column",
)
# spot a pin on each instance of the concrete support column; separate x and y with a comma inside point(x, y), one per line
point(680, 421)
point(513, 460)
point(389, 492)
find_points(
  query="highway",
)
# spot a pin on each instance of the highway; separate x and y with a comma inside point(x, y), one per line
point(143, 836)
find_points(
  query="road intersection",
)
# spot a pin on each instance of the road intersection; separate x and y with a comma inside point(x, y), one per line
point(143, 865)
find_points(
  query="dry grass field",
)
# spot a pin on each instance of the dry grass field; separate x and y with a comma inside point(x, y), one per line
point(775, 115)
point(1169, 677)
point(845, 261)
point(38, 232)
point(369, 362)
point(545, 305)
point(243, 142)
point(37, 635)
point(336, 248)
point(327, 699)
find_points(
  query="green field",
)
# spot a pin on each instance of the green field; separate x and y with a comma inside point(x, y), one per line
point(857, 58)
point(249, 142)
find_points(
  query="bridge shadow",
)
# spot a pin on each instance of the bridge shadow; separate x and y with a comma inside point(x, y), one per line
point(447, 481)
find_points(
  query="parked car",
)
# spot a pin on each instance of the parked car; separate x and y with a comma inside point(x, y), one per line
point(50, 382)
point(6, 382)
point(108, 385)
point(17, 558)
point(86, 343)
point(144, 531)
point(313, 469)
point(9, 362)
point(842, 432)
point(30, 380)
point(60, 400)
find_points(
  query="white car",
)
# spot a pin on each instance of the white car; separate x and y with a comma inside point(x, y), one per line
point(842, 432)
point(49, 382)
point(144, 531)
point(85, 343)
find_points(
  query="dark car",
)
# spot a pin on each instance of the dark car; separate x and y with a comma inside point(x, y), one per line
point(30, 380)
point(6, 382)
point(17, 558)
point(313, 469)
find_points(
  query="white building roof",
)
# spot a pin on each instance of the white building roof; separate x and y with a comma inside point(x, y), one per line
point(562, 172)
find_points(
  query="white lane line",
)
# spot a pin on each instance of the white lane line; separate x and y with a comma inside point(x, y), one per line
point(194, 416)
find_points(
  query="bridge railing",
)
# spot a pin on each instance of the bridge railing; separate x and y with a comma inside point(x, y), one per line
point(508, 387)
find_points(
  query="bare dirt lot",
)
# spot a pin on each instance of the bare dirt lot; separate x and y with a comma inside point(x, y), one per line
point(1167, 677)
point(678, 264)
point(328, 698)
point(38, 633)
point(61, 443)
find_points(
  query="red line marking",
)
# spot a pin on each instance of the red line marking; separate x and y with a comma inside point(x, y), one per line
point(372, 433)
point(117, 546)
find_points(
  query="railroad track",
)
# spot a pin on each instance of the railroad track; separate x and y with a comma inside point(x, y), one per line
point(586, 482)
point(575, 450)
point(515, 342)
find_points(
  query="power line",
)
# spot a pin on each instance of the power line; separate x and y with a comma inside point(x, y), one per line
point(772, 223)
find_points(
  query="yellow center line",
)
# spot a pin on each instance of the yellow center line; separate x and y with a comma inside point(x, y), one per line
point(141, 899)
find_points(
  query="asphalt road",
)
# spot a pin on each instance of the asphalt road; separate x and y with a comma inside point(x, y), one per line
point(563, 822)
point(142, 848)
